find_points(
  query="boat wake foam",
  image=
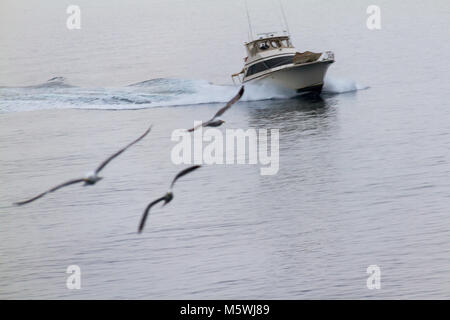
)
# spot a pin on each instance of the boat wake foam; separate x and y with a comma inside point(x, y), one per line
point(57, 93)
point(341, 85)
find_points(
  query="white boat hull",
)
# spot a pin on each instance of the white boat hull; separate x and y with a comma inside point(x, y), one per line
point(301, 78)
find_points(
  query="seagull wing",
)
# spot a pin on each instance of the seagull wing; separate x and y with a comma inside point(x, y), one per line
point(229, 104)
point(221, 111)
point(204, 124)
point(104, 163)
point(147, 210)
point(182, 173)
point(68, 183)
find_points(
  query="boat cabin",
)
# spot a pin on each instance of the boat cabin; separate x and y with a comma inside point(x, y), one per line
point(263, 45)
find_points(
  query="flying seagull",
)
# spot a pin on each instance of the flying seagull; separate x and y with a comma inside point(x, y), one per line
point(166, 198)
point(216, 123)
point(91, 178)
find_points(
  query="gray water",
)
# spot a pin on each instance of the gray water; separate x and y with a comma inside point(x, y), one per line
point(363, 176)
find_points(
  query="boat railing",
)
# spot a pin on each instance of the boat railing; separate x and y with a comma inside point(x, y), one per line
point(239, 75)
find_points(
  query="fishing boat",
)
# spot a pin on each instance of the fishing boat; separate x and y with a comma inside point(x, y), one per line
point(272, 59)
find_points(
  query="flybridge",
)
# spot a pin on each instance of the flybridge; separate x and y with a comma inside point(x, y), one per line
point(263, 35)
point(265, 46)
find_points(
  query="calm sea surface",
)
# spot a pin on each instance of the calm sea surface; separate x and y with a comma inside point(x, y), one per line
point(364, 170)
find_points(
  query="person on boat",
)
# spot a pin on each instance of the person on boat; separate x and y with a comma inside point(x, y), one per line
point(264, 46)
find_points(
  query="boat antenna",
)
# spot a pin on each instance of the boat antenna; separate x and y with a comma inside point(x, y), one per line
point(250, 35)
point(284, 17)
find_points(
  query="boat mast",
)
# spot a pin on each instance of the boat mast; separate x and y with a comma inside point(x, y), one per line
point(250, 35)
point(284, 18)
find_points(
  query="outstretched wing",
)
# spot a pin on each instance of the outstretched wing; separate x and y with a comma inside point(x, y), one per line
point(204, 124)
point(222, 110)
point(104, 163)
point(68, 183)
point(182, 173)
point(146, 212)
point(229, 104)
